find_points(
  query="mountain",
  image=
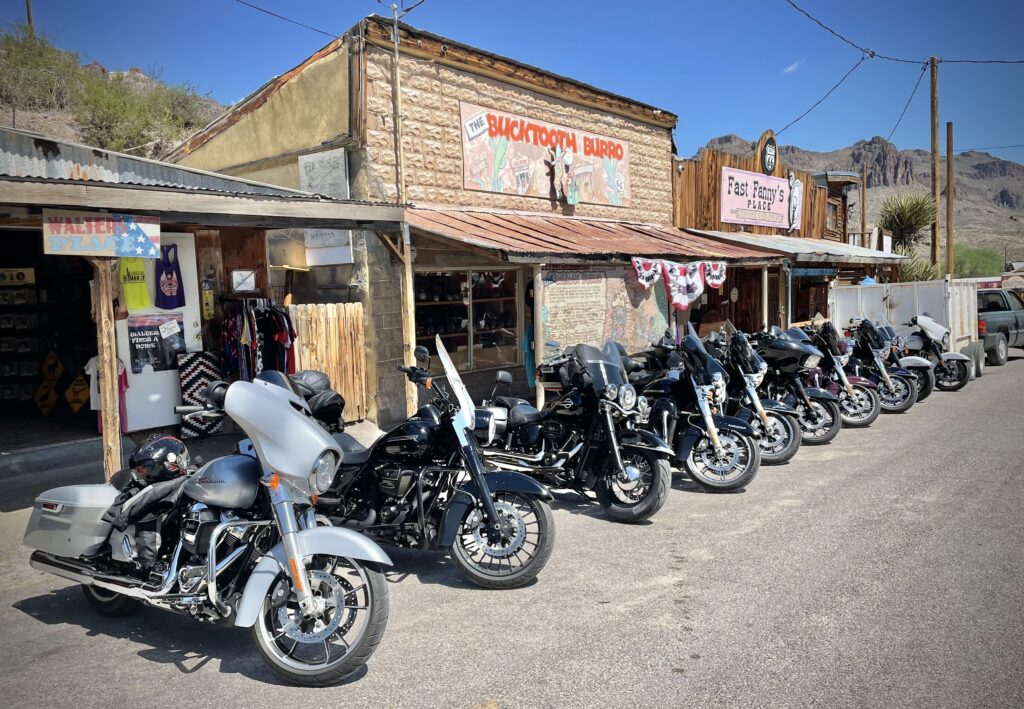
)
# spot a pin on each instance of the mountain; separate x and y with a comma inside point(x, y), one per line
point(989, 191)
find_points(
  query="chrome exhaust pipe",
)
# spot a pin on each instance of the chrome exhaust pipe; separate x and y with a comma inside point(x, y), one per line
point(79, 572)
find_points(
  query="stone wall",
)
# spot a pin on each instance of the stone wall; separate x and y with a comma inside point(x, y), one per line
point(433, 148)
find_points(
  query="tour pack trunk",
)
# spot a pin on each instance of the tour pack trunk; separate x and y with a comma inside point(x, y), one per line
point(68, 521)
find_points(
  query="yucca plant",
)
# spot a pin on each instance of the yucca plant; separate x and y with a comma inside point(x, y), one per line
point(906, 216)
point(915, 268)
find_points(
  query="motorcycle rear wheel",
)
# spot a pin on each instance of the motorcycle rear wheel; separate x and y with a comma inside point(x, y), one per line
point(902, 399)
point(825, 428)
point(779, 444)
point(731, 474)
point(925, 383)
point(864, 415)
point(642, 501)
point(512, 565)
point(953, 382)
point(110, 603)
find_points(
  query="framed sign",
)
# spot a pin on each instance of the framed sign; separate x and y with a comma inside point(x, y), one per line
point(73, 233)
point(755, 199)
point(243, 280)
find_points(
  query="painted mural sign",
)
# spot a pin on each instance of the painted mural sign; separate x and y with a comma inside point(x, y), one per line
point(503, 152)
point(760, 200)
point(70, 233)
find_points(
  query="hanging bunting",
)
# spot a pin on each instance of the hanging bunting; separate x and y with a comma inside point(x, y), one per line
point(684, 283)
point(648, 271)
point(714, 273)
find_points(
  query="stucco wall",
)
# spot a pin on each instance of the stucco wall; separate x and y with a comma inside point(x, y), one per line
point(433, 148)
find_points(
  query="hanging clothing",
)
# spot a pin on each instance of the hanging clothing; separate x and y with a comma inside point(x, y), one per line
point(92, 369)
point(170, 292)
point(132, 274)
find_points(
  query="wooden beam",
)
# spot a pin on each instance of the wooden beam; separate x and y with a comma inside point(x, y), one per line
point(103, 304)
point(395, 251)
point(408, 319)
point(538, 327)
point(950, 196)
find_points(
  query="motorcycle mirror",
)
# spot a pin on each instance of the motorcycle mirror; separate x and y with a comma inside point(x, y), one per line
point(422, 354)
point(198, 460)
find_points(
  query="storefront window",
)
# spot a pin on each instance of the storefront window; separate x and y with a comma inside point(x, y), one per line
point(475, 313)
point(832, 217)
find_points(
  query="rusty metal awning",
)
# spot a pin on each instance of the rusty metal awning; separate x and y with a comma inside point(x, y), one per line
point(530, 236)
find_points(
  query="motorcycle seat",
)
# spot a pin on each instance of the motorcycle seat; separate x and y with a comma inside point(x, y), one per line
point(522, 414)
point(509, 402)
point(352, 451)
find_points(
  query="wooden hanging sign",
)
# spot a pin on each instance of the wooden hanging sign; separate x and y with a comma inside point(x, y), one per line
point(74, 233)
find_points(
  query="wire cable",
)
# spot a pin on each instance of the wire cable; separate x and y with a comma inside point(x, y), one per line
point(818, 102)
point(286, 19)
point(981, 61)
point(864, 50)
point(924, 68)
point(990, 147)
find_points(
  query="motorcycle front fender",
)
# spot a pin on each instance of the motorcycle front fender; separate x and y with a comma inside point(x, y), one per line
point(957, 356)
point(914, 361)
point(900, 372)
point(638, 438)
point(820, 394)
point(697, 430)
point(778, 406)
point(332, 541)
point(465, 498)
point(861, 381)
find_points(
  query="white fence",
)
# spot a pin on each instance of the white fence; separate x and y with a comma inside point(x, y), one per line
point(952, 303)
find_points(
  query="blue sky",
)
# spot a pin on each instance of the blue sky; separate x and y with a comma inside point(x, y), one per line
point(723, 67)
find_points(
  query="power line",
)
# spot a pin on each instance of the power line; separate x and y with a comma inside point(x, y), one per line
point(816, 103)
point(924, 68)
point(981, 61)
point(286, 19)
point(990, 147)
point(864, 50)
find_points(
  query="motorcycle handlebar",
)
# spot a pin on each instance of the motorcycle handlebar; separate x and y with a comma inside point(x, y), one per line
point(188, 409)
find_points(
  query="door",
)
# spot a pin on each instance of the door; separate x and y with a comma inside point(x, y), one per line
point(1018, 313)
point(152, 395)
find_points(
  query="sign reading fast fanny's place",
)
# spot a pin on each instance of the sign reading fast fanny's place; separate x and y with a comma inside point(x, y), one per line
point(72, 233)
point(503, 152)
point(760, 200)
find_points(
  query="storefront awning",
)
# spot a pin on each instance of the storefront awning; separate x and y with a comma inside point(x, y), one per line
point(803, 250)
point(527, 237)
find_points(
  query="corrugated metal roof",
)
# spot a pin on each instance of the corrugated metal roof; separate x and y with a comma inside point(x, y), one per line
point(802, 249)
point(532, 234)
point(28, 155)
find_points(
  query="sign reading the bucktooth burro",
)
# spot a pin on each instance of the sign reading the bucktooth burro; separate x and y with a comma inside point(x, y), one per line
point(761, 200)
point(503, 152)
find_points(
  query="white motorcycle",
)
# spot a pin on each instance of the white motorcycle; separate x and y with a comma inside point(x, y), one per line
point(952, 370)
point(235, 541)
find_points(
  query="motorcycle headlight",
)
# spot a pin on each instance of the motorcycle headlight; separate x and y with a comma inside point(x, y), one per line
point(844, 358)
point(627, 396)
point(323, 473)
point(611, 391)
point(945, 341)
point(757, 377)
point(718, 388)
point(811, 361)
point(642, 405)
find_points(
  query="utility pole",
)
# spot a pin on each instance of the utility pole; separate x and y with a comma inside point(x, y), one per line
point(28, 15)
point(396, 99)
point(935, 157)
point(949, 198)
point(865, 240)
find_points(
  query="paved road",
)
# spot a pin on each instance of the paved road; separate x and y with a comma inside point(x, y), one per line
point(884, 569)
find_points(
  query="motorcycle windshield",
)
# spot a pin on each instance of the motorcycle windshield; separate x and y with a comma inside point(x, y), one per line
point(797, 334)
point(603, 365)
point(752, 361)
point(873, 337)
point(830, 336)
point(698, 361)
point(465, 418)
point(931, 328)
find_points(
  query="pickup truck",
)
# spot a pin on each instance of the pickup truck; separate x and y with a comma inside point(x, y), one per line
point(1000, 322)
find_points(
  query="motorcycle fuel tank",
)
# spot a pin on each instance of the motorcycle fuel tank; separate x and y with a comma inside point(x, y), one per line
point(231, 482)
point(414, 439)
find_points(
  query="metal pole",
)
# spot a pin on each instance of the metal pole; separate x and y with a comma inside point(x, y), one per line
point(950, 196)
point(538, 327)
point(396, 97)
point(935, 156)
point(764, 296)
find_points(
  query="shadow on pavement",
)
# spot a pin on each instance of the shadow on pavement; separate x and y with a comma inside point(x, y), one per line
point(429, 568)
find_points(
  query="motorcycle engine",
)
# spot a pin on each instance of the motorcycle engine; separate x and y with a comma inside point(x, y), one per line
point(197, 527)
point(196, 530)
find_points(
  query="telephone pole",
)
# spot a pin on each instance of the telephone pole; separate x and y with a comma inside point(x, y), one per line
point(935, 157)
point(949, 198)
point(28, 16)
point(865, 240)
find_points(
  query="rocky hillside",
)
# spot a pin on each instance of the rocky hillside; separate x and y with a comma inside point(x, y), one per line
point(989, 208)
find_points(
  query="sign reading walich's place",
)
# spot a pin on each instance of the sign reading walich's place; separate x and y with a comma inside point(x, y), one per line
point(759, 200)
point(73, 233)
point(503, 152)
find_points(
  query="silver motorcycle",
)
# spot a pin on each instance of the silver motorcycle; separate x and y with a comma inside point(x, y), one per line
point(235, 541)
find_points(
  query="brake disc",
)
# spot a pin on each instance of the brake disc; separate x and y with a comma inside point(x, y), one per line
point(312, 630)
point(500, 551)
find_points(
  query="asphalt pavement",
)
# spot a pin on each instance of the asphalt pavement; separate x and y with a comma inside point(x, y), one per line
point(884, 569)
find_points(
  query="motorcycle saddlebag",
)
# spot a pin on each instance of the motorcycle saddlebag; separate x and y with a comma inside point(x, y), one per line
point(309, 382)
point(68, 521)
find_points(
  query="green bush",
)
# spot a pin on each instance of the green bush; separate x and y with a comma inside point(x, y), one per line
point(915, 268)
point(975, 262)
point(36, 75)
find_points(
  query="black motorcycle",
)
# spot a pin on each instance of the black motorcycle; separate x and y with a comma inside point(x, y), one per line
point(788, 361)
point(859, 404)
point(586, 439)
point(897, 387)
point(775, 423)
point(425, 486)
point(688, 388)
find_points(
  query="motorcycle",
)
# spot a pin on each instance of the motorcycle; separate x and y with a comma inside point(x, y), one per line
point(587, 439)
point(235, 541)
point(897, 387)
point(921, 368)
point(719, 453)
point(789, 359)
point(859, 404)
point(775, 424)
point(424, 485)
point(951, 370)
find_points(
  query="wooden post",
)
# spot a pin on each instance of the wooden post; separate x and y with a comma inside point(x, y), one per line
point(538, 327)
point(408, 318)
point(950, 196)
point(103, 302)
point(865, 238)
point(396, 100)
point(28, 16)
point(935, 156)
point(764, 296)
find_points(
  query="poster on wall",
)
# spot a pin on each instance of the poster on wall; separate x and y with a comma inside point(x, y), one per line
point(155, 341)
point(326, 173)
point(503, 152)
point(760, 200)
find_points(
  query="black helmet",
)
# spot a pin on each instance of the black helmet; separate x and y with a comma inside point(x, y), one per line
point(158, 458)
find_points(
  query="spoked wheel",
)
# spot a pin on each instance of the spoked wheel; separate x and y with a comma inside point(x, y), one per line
point(339, 637)
point(730, 469)
point(517, 557)
point(901, 397)
point(639, 493)
point(952, 375)
point(821, 423)
point(925, 379)
point(861, 409)
point(779, 440)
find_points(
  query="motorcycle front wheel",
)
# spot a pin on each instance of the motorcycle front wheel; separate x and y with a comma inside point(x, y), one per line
point(641, 493)
point(925, 379)
point(326, 648)
point(861, 409)
point(780, 440)
point(952, 376)
point(820, 425)
point(506, 563)
point(901, 398)
point(730, 470)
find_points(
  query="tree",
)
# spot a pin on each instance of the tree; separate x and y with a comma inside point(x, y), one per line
point(976, 262)
point(906, 216)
